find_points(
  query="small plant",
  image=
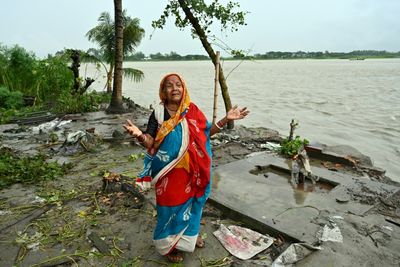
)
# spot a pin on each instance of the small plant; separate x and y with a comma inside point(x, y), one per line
point(289, 148)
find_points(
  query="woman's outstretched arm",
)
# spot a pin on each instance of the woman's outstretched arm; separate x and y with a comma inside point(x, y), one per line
point(234, 113)
point(145, 139)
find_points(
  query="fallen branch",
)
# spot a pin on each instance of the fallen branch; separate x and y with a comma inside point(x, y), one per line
point(59, 260)
point(216, 263)
point(99, 244)
point(20, 224)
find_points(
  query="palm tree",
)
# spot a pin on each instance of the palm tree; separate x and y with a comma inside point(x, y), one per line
point(104, 35)
point(116, 99)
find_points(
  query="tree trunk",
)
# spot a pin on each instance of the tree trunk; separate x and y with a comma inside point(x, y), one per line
point(110, 79)
point(116, 99)
point(207, 46)
point(76, 63)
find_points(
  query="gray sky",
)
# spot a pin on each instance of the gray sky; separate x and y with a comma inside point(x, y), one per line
point(46, 26)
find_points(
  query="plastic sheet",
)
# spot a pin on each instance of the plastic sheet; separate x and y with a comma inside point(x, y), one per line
point(49, 126)
point(294, 253)
point(330, 233)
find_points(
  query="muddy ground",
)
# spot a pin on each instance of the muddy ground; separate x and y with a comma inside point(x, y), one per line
point(76, 221)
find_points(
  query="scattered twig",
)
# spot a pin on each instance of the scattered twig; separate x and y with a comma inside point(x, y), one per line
point(84, 146)
point(116, 247)
point(33, 215)
point(158, 262)
point(95, 202)
point(20, 255)
point(57, 258)
point(215, 263)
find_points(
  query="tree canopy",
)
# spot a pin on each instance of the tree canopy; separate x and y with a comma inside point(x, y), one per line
point(104, 35)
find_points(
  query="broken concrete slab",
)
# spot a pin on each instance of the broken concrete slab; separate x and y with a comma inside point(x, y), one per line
point(259, 187)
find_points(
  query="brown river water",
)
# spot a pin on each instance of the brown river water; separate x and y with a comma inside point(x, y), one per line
point(336, 102)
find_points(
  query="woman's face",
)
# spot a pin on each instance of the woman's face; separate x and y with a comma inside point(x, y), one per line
point(173, 89)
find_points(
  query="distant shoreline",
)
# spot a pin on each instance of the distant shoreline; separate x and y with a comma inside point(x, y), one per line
point(271, 55)
point(259, 59)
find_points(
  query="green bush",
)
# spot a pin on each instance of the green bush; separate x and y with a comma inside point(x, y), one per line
point(88, 102)
point(17, 72)
point(10, 100)
point(50, 81)
point(44, 79)
point(289, 148)
point(54, 79)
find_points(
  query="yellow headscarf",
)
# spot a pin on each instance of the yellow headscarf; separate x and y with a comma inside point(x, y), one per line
point(170, 124)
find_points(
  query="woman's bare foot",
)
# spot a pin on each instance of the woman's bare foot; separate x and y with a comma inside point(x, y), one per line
point(200, 242)
point(175, 256)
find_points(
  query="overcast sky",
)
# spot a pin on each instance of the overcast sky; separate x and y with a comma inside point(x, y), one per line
point(46, 26)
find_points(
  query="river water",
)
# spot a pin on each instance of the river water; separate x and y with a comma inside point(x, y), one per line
point(336, 102)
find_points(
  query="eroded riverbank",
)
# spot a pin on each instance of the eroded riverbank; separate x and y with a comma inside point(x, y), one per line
point(62, 221)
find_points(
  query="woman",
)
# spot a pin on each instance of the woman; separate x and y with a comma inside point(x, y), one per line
point(178, 163)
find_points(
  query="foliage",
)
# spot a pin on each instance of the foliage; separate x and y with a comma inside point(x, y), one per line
point(49, 81)
point(44, 79)
point(10, 100)
point(27, 170)
point(17, 68)
point(69, 103)
point(205, 16)
point(327, 55)
point(138, 56)
point(104, 35)
point(290, 148)
point(54, 78)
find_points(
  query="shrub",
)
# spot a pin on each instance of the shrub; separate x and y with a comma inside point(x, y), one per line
point(10, 100)
point(88, 102)
point(54, 79)
point(44, 79)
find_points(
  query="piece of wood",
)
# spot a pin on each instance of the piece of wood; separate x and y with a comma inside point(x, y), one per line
point(216, 81)
point(99, 243)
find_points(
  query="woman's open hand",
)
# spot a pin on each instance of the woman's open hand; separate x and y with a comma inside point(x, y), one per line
point(237, 113)
point(132, 129)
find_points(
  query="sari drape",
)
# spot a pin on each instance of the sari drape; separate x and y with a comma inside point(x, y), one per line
point(179, 166)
